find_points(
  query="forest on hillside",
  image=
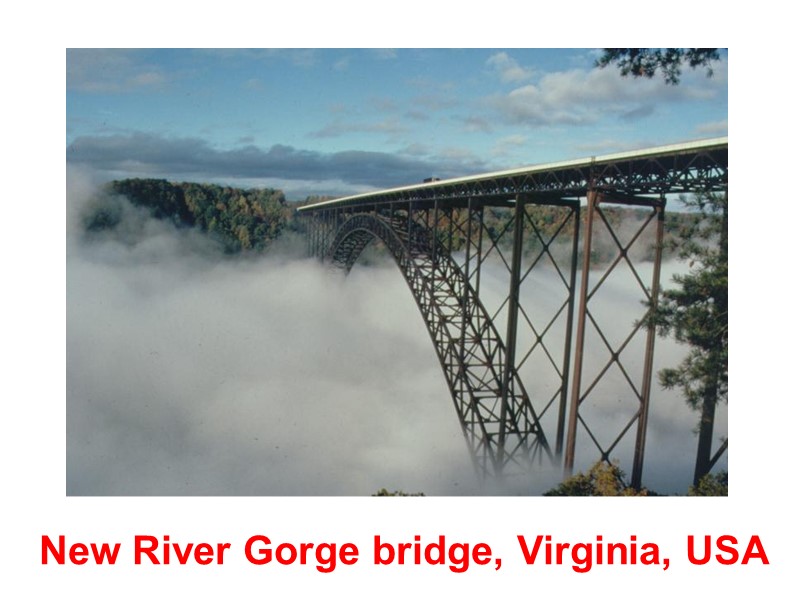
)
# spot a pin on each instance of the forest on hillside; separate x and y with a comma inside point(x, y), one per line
point(239, 220)
point(251, 220)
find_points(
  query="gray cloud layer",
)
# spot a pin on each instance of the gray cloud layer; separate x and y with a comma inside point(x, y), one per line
point(154, 155)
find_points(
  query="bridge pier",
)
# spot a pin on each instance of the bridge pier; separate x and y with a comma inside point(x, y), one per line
point(650, 298)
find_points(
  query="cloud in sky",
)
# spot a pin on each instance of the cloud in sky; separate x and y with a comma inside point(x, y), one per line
point(508, 69)
point(476, 123)
point(715, 128)
point(339, 128)
point(111, 71)
point(606, 146)
point(319, 123)
point(584, 97)
point(503, 145)
point(385, 53)
point(152, 155)
point(436, 101)
point(298, 57)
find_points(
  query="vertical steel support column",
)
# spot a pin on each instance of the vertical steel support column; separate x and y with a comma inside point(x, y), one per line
point(329, 230)
point(464, 295)
point(314, 228)
point(318, 236)
point(434, 230)
point(308, 221)
point(572, 426)
point(326, 219)
point(479, 255)
point(320, 231)
point(451, 213)
point(409, 238)
point(511, 330)
point(562, 404)
point(647, 371)
point(310, 234)
point(321, 238)
point(320, 221)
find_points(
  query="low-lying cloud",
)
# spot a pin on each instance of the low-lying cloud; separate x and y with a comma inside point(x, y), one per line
point(191, 374)
point(188, 373)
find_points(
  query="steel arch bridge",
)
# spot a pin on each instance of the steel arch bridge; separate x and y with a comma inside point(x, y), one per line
point(528, 224)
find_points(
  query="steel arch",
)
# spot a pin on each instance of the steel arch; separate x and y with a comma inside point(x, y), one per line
point(497, 417)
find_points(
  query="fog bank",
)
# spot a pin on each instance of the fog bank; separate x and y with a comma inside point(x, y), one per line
point(189, 373)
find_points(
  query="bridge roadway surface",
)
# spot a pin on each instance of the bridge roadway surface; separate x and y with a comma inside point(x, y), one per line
point(674, 169)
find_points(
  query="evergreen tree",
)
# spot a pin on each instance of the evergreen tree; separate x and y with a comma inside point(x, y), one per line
point(646, 62)
point(696, 313)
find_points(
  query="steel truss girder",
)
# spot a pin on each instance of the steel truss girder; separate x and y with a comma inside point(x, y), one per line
point(669, 170)
point(497, 417)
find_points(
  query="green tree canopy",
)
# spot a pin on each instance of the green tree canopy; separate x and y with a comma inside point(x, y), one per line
point(646, 62)
point(239, 219)
point(713, 484)
point(695, 312)
point(603, 479)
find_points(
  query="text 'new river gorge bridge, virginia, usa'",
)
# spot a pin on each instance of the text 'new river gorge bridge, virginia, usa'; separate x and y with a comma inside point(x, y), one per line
point(525, 389)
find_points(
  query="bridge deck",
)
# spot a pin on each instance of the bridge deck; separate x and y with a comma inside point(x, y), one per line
point(677, 168)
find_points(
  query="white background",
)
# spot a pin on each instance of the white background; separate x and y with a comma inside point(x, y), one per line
point(763, 396)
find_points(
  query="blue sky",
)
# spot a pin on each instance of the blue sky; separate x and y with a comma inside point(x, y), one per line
point(343, 121)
